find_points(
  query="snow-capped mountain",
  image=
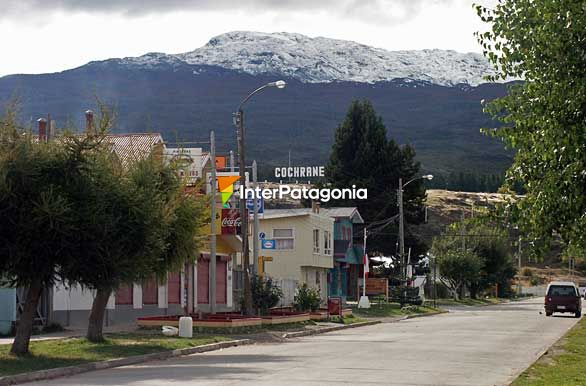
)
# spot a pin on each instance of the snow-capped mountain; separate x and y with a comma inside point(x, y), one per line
point(323, 60)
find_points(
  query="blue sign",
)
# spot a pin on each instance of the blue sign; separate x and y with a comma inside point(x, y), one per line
point(268, 244)
point(261, 235)
point(260, 204)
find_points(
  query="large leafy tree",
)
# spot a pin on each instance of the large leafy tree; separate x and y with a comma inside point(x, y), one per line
point(363, 156)
point(490, 243)
point(137, 223)
point(38, 215)
point(543, 42)
point(459, 268)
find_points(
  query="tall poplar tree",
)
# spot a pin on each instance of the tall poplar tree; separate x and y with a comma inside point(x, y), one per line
point(543, 42)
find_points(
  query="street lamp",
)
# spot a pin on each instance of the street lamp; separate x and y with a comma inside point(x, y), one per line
point(239, 123)
point(428, 177)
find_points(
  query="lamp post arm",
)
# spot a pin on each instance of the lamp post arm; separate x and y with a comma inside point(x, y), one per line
point(410, 181)
point(251, 95)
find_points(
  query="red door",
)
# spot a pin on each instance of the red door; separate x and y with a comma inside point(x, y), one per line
point(203, 280)
point(124, 294)
point(150, 292)
point(174, 288)
point(221, 268)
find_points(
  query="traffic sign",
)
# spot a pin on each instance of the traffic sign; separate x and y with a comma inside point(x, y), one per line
point(268, 244)
point(260, 205)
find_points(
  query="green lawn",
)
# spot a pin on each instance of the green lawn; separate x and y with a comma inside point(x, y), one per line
point(391, 309)
point(68, 352)
point(564, 365)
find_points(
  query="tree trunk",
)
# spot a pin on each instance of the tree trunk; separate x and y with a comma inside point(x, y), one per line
point(24, 328)
point(96, 320)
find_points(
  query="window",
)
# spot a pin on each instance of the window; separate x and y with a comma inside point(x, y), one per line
point(316, 241)
point(559, 290)
point(327, 243)
point(284, 238)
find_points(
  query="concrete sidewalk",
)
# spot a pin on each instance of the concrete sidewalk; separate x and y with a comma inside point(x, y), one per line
point(73, 333)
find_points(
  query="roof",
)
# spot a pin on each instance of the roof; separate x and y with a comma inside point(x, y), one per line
point(344, 212)
point(133, 147)
point(291, 212)
point(562, 283)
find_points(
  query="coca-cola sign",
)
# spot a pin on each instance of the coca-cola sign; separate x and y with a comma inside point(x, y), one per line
point(231, 221)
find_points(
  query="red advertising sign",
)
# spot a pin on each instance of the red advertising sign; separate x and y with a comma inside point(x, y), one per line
point(231, 221)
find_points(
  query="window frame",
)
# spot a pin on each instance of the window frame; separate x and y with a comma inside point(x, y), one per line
point(277, 238)
point(327, 242)
point(315, 240)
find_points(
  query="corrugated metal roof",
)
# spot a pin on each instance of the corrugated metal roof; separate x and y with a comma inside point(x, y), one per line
point(292, 212)
point(134, 147)
point(348, 212)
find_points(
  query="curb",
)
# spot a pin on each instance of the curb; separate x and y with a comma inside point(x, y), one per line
point(413, 316)
point(72, 370)
point(328, 329)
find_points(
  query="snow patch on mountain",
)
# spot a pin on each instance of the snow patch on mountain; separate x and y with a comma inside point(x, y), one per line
point(319, 60)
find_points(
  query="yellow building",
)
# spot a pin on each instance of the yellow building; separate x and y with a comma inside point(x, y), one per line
point(300, 242)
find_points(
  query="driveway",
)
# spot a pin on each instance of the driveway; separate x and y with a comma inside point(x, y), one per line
point(474, 346)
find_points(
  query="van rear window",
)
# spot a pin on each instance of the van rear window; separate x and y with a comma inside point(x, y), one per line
point(559, 290)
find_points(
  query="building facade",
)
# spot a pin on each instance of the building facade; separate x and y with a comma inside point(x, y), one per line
point(348, 253)
point(299, 245)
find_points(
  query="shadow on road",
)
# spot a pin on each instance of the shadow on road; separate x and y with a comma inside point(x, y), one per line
point(182, 370)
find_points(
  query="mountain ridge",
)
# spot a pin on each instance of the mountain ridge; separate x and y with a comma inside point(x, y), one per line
point(317, 60)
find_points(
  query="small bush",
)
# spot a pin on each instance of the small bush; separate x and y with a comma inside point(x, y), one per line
point(306, 298)
point(265, 294)
point(527, 272)
point(535, 280)
point(52, 327)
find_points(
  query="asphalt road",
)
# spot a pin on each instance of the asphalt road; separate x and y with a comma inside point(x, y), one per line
point(473, 346)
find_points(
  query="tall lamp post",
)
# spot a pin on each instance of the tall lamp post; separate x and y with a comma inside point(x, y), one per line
point(402, 220)
point(239, 123)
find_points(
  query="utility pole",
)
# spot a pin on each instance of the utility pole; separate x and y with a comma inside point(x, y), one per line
point(463, 233)
point(363, 301)
point(231, 161)
point(255, 224)
point(243, 214)
point(434, 282)
point(519, 254)
point(212, 270)
point(401, 230)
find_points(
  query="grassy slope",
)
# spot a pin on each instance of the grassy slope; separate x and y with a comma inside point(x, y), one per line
point(564, 364)
point(68, 352)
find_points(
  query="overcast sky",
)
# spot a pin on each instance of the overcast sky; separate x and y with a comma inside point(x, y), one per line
point(38, 36)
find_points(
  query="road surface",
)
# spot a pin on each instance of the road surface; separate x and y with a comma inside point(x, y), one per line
point(474, 346)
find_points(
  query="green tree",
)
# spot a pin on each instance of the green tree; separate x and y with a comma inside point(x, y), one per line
point(363, 156)
point(459, 268)
point(543, 42)
point(491, 243)
point(38, 215)
point(136, 223)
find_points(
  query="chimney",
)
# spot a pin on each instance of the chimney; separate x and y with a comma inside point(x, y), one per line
point(42, 129)
point(51, 130)
point(89, 121)
point(315, 206)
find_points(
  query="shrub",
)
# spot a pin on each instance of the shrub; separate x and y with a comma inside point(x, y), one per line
point(265, 294)
point(52, 327)
point(306, 298)
point(527, 272)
